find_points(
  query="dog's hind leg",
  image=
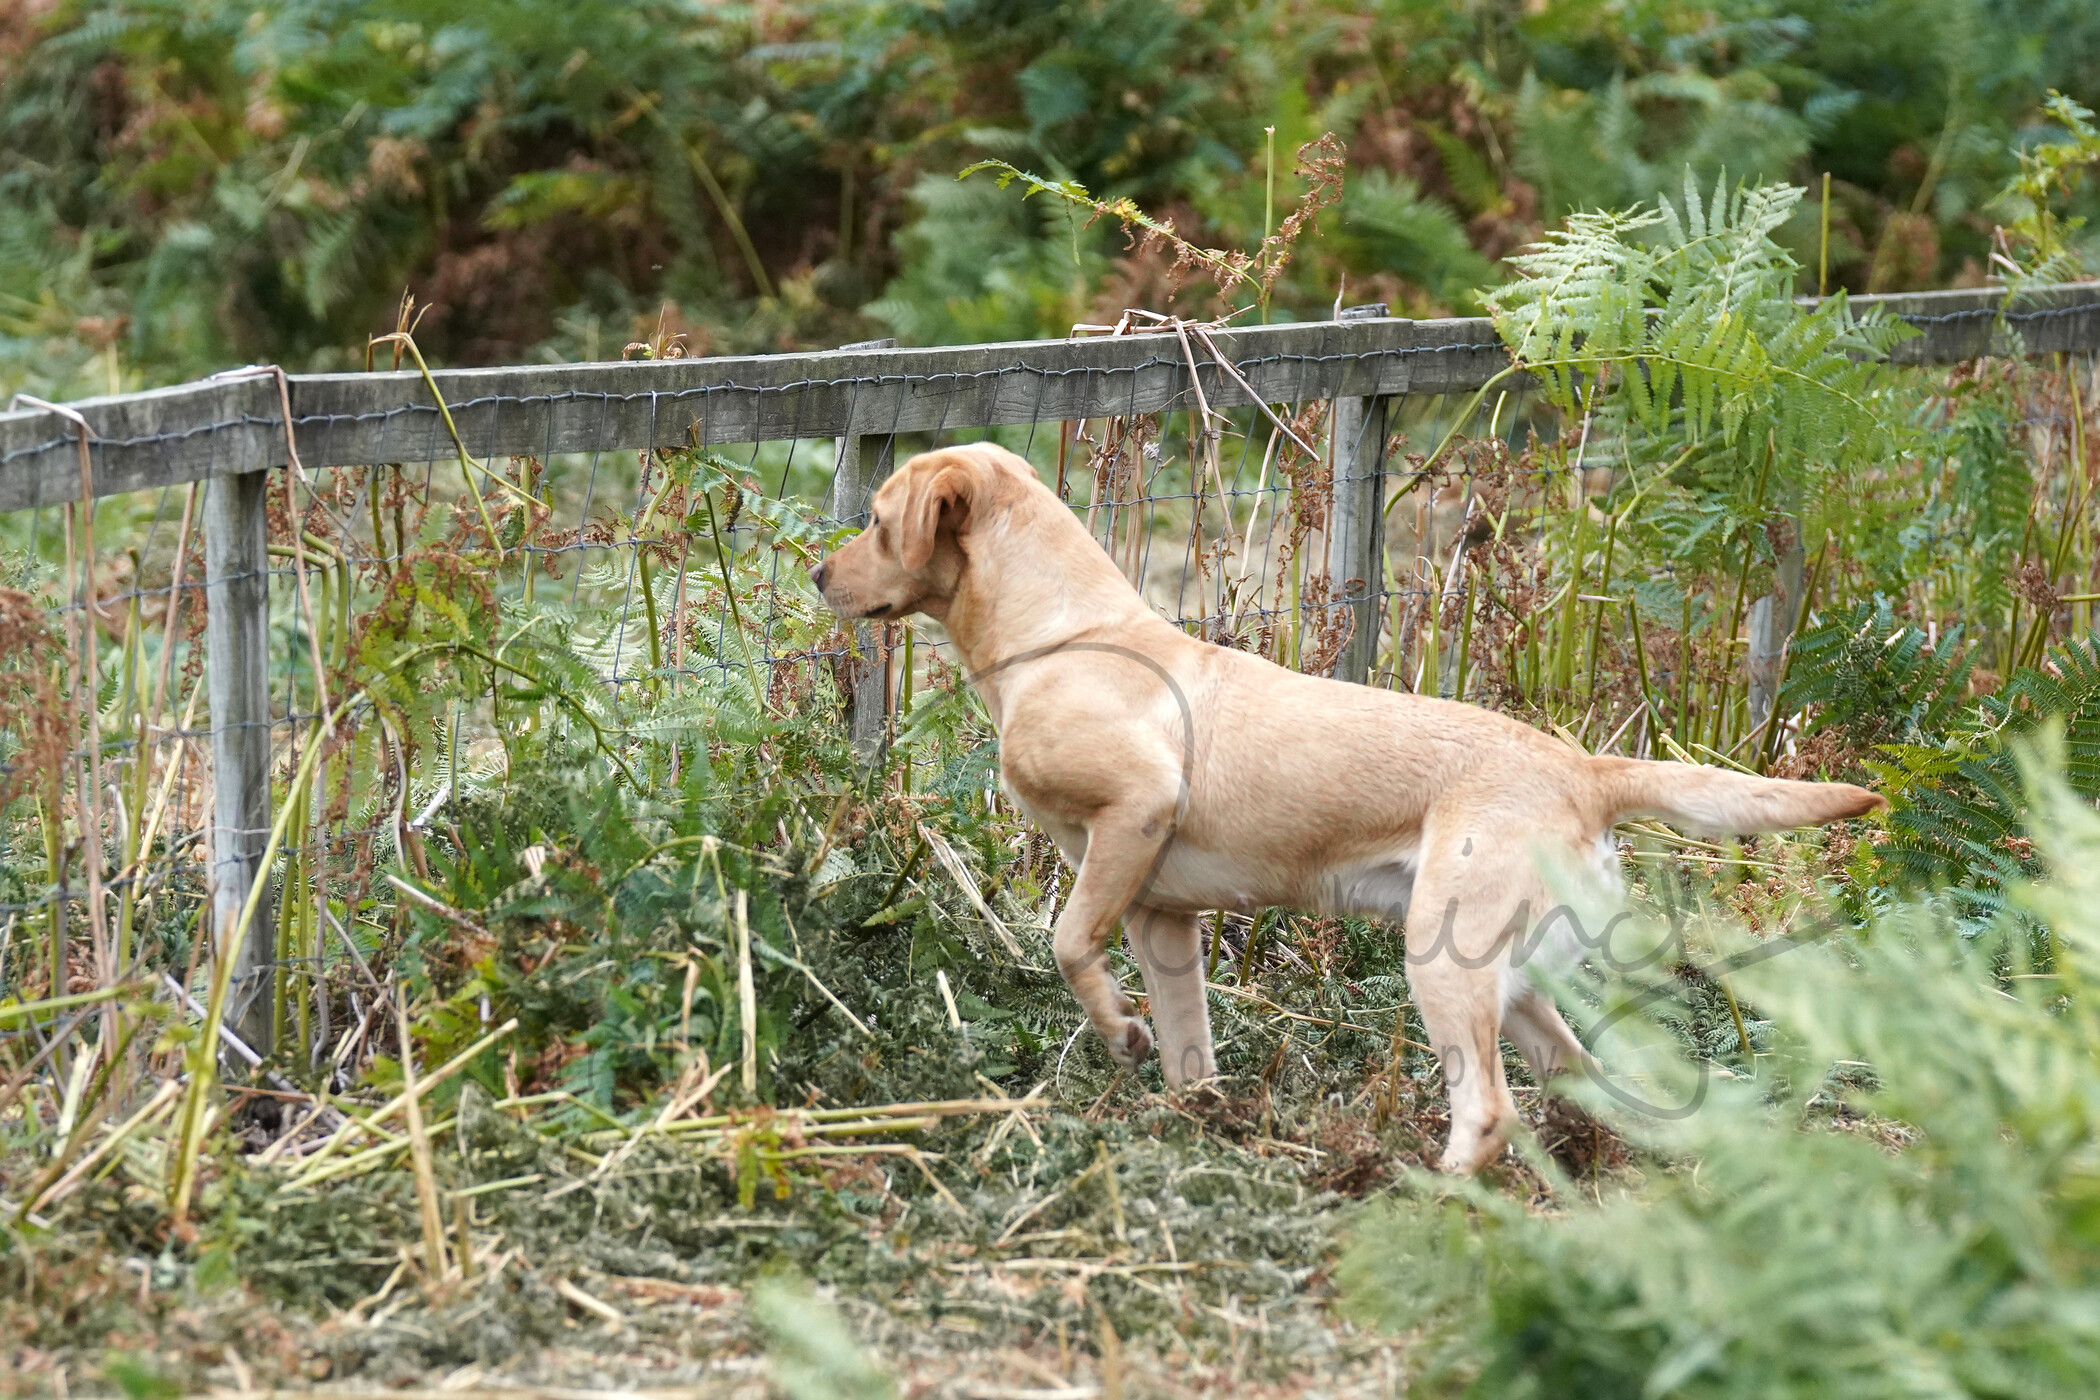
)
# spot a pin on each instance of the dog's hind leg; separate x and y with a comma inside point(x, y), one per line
point(1533, 1023)
point(1169, 950)
point(1468, 910)
point(1459, 1011)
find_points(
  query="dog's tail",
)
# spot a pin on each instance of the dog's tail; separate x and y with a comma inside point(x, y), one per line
point(1717, 802)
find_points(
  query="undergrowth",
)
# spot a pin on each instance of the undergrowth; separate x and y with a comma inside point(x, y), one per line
point(606, 983)
point(1895, 1200)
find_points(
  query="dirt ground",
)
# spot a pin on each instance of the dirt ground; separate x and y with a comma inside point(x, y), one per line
point(1138, 1247)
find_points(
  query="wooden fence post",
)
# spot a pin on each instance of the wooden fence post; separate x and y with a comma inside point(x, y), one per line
point(1772, 620)
point(853, 484)
point(1356, 521)
point(237, 635)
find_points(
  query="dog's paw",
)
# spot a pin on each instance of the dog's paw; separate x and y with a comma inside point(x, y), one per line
point(1129, 1046)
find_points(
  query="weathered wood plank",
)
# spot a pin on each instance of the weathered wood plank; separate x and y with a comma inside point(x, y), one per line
point(194, 431)
point(1966, 324)
point(162, 437)
point(237, 640)
point(1356, 528)
point(1455, 356)
point(849, 393)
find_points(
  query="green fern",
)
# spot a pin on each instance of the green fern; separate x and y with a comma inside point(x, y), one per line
point(1625, 140)
point(1874, 680)
point(2042, 245)
point(1993, 488)
point(1678, 326)
point(1388, 224)
point(1960, 815)
point(2068, 686)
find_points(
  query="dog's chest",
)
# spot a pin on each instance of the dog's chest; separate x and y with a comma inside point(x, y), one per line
point(1187, 876)
point(1069, 836)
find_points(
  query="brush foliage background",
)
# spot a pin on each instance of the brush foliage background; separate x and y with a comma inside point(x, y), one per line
point(1889, 1186)
point(1899, 1202)
point(188, 184)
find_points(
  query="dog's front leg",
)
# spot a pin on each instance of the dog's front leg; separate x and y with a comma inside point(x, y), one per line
point(1122, 849)
point(1169, 949)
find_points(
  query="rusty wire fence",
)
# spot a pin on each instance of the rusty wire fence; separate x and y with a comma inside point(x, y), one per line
point(198, 576)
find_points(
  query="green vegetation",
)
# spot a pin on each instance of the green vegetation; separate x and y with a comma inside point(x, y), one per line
point(187, 186)
point(1898, 1202)
point(687, 994)
point(619, 1001)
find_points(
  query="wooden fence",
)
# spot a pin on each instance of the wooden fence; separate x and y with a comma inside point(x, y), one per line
point(235, 428)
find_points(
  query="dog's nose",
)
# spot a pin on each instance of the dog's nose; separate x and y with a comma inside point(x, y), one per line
point(817, 574)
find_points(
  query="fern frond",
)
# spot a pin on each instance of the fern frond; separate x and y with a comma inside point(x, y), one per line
point(1993, 487)
point(1960, 813)
point(1687, 313)
point(1876, 680)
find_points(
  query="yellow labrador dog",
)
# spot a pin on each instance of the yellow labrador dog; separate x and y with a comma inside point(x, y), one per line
point(1178, 777)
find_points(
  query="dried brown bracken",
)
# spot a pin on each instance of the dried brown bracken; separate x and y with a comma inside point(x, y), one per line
point(40, 720)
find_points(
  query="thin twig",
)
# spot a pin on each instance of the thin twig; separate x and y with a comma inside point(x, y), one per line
point(433, 1220)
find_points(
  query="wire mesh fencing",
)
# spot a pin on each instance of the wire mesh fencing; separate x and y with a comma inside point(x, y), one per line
point(263, 633)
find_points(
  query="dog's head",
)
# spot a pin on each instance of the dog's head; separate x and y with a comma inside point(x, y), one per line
point(912, 555)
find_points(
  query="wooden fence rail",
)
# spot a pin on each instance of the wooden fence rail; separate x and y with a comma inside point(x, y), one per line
point(231, 425)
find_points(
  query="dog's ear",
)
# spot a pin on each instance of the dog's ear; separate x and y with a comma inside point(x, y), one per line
point(938, 491)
